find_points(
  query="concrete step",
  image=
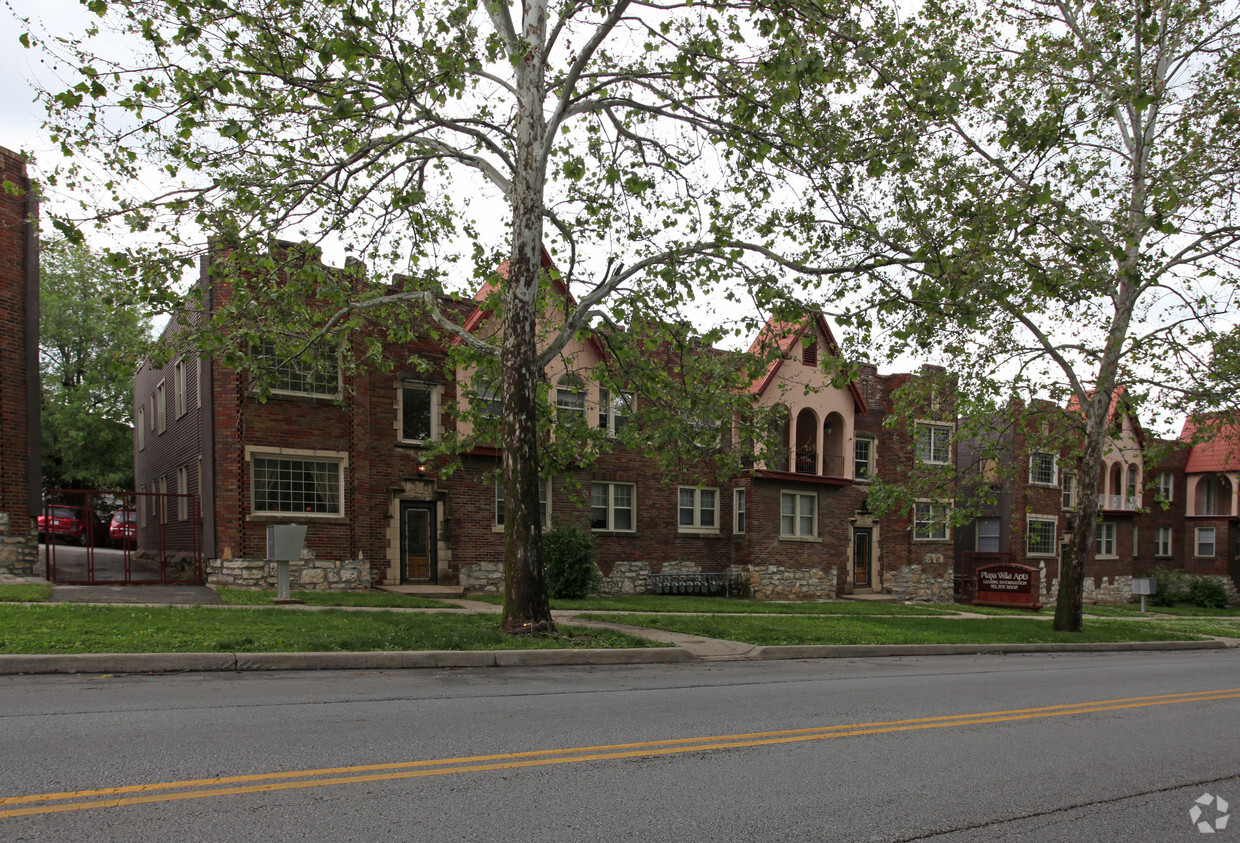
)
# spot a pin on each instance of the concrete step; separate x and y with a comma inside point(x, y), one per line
point(429, 590)
point(869, 596)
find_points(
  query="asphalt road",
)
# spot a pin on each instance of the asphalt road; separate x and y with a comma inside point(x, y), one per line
point(1033, 747)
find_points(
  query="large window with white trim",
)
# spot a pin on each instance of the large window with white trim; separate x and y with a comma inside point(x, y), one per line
point(570, 400)
point(1042, 469)
point(614, 410)
point(1162, 541)
point(1204, 541)
point(419, 406)
point(1104, 539)
point(697, 509)
point(296, 484)
point(1040, 539)
point(738, 511)
point(1069, 490)
point(318, 379)
point(613, 507)
point(934, 443)
point(863, 459)
point(798, 515)
point(930, 521)
point(1165, 485)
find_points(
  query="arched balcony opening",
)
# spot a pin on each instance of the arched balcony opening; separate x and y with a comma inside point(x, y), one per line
point(806, 442)
point(1213, 495)
point(833, 446)
point(778, 437)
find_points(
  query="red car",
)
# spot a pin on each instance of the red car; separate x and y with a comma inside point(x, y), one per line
point(72, 524)
point(123, 530)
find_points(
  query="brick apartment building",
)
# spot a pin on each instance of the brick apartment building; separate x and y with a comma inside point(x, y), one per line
point(1178, 513)
point(20, 446)
point(345, 455)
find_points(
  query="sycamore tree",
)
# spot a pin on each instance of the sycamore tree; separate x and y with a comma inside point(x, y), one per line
point(90, 344)
point(439, 138)
point(1061, 176)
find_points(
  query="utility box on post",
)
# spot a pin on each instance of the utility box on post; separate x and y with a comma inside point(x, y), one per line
point(1144, 586)
point(284, 544)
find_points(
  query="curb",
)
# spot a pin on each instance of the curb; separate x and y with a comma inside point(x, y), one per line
point(404, 660)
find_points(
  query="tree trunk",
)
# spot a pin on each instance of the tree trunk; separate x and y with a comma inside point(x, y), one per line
point(1068, 606)
point(526, 609)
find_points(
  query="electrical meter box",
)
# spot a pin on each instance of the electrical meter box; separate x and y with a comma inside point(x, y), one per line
point(285, 541)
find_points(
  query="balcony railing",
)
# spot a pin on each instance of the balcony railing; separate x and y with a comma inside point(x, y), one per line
point(1119, 503)
point(806, 462)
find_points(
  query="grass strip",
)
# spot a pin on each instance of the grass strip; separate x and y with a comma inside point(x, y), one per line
point(34, 592)
point(1130, 610)
point(68, 628)
point(373, 599)
point(1225, 627)
point(726, 605)
point(766, 631)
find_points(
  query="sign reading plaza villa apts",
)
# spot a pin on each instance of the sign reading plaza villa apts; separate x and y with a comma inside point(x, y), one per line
point(1008, 585)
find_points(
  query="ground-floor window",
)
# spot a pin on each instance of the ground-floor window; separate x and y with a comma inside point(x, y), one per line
point(283, 484)
point(1205, 541)
point(738, 525)
point(1040, 540)
point(930, 521)
point(798, 515)
point(1162, 541)
point(544, 509)
point(698, 509)
point(612, 507)
point(1104, 539)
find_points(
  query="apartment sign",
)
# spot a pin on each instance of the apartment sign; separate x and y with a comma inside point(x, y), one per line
point(1008, 585)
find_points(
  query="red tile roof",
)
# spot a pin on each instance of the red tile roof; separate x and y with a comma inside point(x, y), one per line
point(785, 335)
point(1219, 448)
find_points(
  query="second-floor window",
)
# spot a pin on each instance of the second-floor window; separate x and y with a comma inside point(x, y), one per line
point(934, 443)
point(298, 376)
point(1165, 485)
point(178, 387)
point(417, 412)
point(1042, 469)
point(698, 509)
point(1069, 491)
point(161, 409)
point(863, 458)
point(140, 427)
point(614, 409)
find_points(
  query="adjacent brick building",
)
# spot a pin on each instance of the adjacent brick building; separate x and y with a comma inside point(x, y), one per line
point(20, 463)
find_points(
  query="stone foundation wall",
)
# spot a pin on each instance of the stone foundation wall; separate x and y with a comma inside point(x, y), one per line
point(765, 582)
point(483, 576)
point(1119, 589)
point(306, 574)
point(929, 582)
point(19, 554)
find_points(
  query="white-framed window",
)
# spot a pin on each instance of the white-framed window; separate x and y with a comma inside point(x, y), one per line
point(162, 502)
point(1130, 490)
point(308, 484)
point(183, 491)
point(198, 379)
point(798, 515)
point(570, 400)
point(1104, 539)
point(738, 511)
point(139, 427)
point(930, 521)
point(697, 509)
point(988, 534)
point(614, 410)
point(488, 401)
point(1162, 541)
point(1040, 539)
point(299, 377)
point(934, 443)
point(613, 507)
point(863, 459)
point(418, 412)
point(1166, 483)
point(180, 397)
point(161, 408)
point(1043, 470)
point(1068, 487)
point(1203, 541)
point(544, 502)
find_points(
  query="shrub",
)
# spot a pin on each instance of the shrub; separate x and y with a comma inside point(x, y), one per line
point(1207, 593)
point(568, 553)
point(1172, 587)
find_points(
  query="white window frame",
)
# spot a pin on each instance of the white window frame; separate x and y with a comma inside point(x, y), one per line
point(998, 536)
point(611, 488)
point(607, 406)
point(1198, 533)
point(1053, 545)
point(198, 378)
point(1163, 538)
point(570, 396)
point(1054, 466)
point(1105, 540)
point(544, 504)
point(738, 511)
point(266, 351)
point(487, 401)
point(183, 491)
point(799, 528)
point(180, 398)
point(432, 390)
point(932, 429)
point(931, 510)
point(339, 458)
point(698, 509)
point(161, 408)
point(868, 474)
point(1166, 485)
point(1067, 498)
point(139, 426)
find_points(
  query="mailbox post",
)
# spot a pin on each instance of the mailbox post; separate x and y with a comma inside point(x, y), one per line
point(284, 544)
point(1144, 586)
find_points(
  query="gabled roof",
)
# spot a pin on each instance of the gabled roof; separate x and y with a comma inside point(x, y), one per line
point(490, 288)
point(1219, 448)
point(1120, 406)
point(786, 335)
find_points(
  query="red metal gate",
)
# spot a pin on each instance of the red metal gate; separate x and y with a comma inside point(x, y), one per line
point(145, 538)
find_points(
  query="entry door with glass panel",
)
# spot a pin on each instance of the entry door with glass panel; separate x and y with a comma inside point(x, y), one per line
point(863, 539)
point(417, 542)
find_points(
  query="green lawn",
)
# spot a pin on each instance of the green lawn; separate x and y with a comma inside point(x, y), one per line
point(769, 631)
point(725, 605)
point(380, 599)
point(1133, 610)
point(1227, 628)
point(25, 592)
point(67, 628)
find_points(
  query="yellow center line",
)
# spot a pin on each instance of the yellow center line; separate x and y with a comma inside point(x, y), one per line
point(518, 760)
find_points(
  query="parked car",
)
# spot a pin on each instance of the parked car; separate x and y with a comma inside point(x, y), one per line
point(73, 524)
point(123, 529)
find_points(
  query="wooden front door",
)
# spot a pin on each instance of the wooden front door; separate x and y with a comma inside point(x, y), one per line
point(417, 542)
point(863, 540)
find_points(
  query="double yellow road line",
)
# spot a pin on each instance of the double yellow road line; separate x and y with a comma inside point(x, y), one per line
point(115, 797)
